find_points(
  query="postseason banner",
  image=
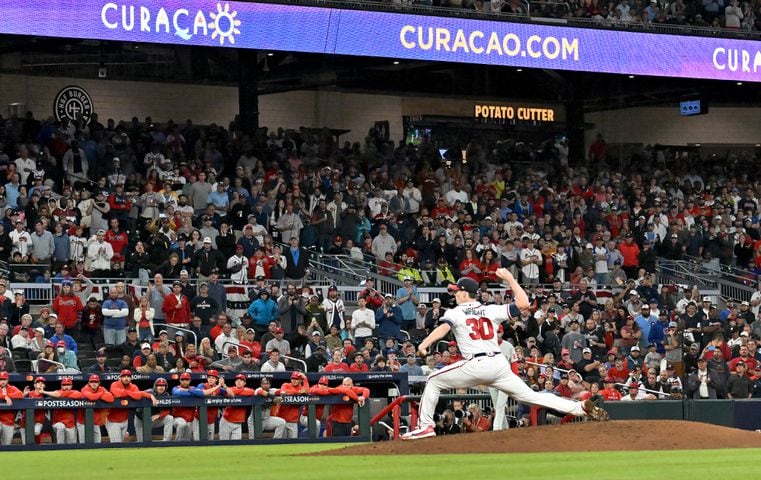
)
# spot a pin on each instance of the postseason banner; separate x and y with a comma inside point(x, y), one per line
point(380, 34)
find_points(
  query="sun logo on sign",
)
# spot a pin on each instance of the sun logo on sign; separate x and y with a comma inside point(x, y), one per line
point(225, 24)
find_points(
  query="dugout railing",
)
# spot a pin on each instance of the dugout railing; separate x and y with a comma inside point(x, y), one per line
point(256, 403)
point(383, 387)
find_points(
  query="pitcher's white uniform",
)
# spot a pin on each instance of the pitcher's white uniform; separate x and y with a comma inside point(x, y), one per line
point(475, 328)
point(498, 397)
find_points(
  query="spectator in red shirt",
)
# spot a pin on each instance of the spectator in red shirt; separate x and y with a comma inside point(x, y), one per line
point(454, 353)
point(471, 266)
point(372, 296)
point(120, 204)
point(176, 307)
point(619, 372)
point(744, 357)
point(196, 362)
point(610, 392)
point(336, 363)
point(563, 389)
point(67, 306)
point(630, 251)
point(248, 341)
point(119, 241)
point(359, 365)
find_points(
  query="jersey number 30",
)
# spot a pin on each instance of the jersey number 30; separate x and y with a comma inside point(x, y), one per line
point(480, 328)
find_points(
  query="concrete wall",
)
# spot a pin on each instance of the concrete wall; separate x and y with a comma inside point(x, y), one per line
point(358, 111)
point(664, 125)
point(121, 100)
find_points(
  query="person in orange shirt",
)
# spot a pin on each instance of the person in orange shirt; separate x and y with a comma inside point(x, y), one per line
point(230, 425)
point(8, 393)
point(39, 415)
point(65, 419)
point(93, 391)
point(290, 413)
point(610, 392)
point(116, 423)
point(341, 415)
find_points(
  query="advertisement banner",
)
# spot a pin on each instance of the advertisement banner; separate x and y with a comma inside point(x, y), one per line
point(389, 35)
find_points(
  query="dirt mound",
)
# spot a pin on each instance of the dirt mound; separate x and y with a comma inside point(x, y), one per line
point(617, 435)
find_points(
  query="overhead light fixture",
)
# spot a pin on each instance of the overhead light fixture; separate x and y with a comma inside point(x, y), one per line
point(739, 83)
point(270, 54)
point(631, 76)
point(396, 62)
point(518, 69)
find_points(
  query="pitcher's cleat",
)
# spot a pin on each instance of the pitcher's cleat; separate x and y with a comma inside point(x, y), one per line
point(419, 433)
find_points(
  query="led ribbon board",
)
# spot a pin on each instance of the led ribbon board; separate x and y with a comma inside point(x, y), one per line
point(380, 34)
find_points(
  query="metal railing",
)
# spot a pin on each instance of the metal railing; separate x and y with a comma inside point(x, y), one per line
point(297, 360)
point(61, 367)
point(166, 326)
point(732, 283)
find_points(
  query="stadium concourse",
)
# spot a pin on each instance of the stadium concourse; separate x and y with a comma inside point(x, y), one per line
point(178, 210)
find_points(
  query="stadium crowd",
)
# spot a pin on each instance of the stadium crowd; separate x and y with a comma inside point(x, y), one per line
point(184, 209)
point(713, 14)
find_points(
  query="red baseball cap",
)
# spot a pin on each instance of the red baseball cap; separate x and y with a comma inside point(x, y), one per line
point(278, 330)
point(185, 375)
point(240, 376)
point(66, 381)
point(323, 380)
point(94, 378)
point(60, 343)
point(39, 379)
point(125, 373)
point(161, 381)
point(296, 375)
point(4, 375)
point(212, 373)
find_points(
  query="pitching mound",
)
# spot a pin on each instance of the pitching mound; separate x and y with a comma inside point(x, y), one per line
point(618, 435)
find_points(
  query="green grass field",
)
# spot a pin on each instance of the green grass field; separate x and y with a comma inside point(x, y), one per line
point(279, 462)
